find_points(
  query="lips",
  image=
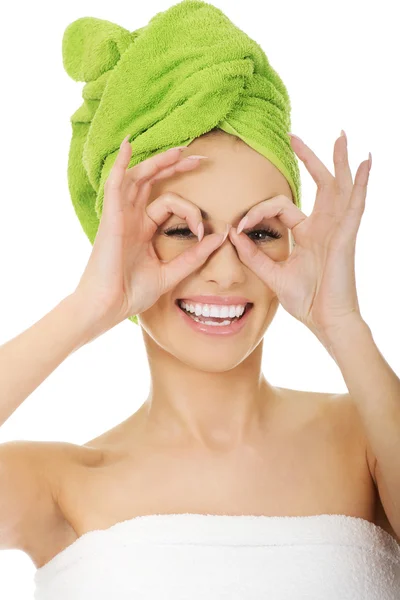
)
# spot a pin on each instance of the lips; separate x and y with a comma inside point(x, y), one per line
point(219, 332)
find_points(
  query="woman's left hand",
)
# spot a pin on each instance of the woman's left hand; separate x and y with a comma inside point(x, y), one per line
point(316, 284)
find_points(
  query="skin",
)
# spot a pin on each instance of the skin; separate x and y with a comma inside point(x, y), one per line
point(206, 391)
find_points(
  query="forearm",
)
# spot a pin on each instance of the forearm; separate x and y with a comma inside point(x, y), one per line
point(29, 358)
point(375, 389)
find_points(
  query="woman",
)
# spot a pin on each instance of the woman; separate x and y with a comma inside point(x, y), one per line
point(220, 485)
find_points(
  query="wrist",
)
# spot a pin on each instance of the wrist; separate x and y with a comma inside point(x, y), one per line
point(350, 328)
point(87, 323)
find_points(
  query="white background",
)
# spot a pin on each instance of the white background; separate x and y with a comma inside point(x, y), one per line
point(339, 62)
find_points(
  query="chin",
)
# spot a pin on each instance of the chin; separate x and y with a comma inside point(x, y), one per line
point(209, 363)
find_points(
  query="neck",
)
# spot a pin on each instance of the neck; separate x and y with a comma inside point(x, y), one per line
point(214, 411)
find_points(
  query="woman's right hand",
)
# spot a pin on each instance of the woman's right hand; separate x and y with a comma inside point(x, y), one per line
point(124, 276)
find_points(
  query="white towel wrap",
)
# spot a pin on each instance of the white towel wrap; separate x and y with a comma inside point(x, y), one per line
point(191, 556)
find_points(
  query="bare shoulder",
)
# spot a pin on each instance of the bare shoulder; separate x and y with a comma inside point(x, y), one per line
point(327, 407)
point(48, 458)
point(337, 414)
point(35, 470)
point(59, 459)
point(40, 450)
point(38, 459)
point(348, 419)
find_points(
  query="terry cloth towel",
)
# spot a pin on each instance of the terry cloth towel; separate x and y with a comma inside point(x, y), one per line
point(189, 70)
point(214, 557)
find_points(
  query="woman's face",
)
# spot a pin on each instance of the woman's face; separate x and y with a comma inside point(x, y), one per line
point(232, 180)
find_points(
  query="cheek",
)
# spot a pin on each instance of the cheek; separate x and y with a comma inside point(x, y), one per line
point(278, 250)
point(156, 318)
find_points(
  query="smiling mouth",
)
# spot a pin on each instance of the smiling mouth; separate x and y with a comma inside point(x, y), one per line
point(248, 307)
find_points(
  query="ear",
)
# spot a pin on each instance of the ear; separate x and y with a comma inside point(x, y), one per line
point(91, 46)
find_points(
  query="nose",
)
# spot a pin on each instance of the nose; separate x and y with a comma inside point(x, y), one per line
point(224, 266)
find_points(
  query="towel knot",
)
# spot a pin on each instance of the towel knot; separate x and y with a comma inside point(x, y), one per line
point(91, 47)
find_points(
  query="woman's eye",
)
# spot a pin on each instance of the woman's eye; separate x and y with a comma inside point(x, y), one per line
point(271, 233)
point(186, 233)
point(178, 232)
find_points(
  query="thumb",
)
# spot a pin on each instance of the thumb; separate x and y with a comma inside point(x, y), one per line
point(183, 265)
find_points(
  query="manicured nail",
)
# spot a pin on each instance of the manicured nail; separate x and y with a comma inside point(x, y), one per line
point(194, 156)
point(226, 233)
point(343, 134)
point(295, 136)
point(370, 160)
point(200, 231)
point(179, 148)
point(242, 225)
point(125, 140)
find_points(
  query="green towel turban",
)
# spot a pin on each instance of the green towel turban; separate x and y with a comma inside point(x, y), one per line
point(189, 70)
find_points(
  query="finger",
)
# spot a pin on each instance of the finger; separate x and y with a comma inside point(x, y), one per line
point(343, 176)
point(133, 182)
point(118, 170)
point(116, 181)
point(183, 265)
point(256, 260)
point(171, 203)
point(318, 171)
point(356, 206)
point(113, 198)
point(142, 195)
point(185, 164)
point(151, 166)
point(280, 206)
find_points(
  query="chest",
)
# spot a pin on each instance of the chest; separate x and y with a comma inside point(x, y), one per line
point(313, 470)
point(318, 468)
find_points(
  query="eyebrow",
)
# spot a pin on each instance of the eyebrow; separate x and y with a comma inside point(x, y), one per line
point(206, 216)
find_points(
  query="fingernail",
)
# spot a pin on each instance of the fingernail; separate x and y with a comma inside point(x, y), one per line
point(200, 231)
point(242, 224)
point(226, 233)
point(370, 160)
point(125, 140)
point(178, 148)
point(343, 134)
point(295, 136)
point(194, 156)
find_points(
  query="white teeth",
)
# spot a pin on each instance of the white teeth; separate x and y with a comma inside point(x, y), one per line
point(213, 310)
point(213, 323)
